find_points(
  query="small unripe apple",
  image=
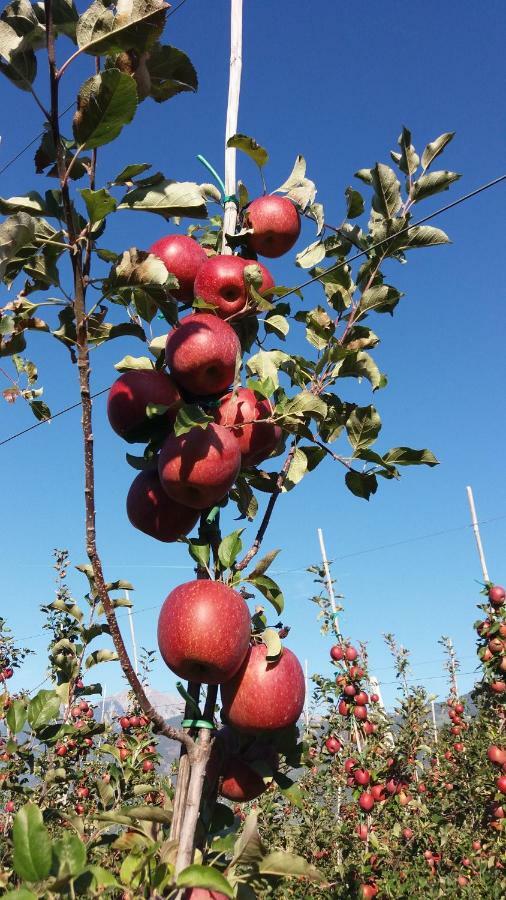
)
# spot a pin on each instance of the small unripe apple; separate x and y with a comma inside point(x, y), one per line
point(202, 354)
point(221, 282)
point(197, 469)
point(182, 257)
point(276, 225)
point(497, 595)
point(129, 396)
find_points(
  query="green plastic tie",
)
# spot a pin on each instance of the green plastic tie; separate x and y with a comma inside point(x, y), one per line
point(190, 701)
point(197, 723)
point(212, 515)
point(231, 198)
point(214, 173)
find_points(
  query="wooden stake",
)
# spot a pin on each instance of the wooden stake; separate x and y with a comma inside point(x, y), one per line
point(234, 90)
point(476, 530)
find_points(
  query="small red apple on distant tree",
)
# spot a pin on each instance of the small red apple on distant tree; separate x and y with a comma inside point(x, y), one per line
point(256, 439)
point(183, 257)
point(337, 652)
point(203, 631)
point(148, 765)
point(276, 225)
point(202, 354)
point(362, 776)
point(221, 283)
point(152, 511)
point(497, 595)
point(501, 784)
point(129, 396)
point(366, 801)
point(264, 694)
point(350, 654)
point(10, 806)
point(333, 745)
point(197, 469)
point(203, 894)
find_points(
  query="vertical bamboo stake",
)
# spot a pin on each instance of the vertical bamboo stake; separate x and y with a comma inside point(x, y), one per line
point(132, 634)
point(477, 535)
point(453, 669)
point(234, 90)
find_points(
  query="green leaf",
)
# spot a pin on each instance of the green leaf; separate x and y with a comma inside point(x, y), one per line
point(105, 104)
point(129, 172)
point(20, 64)
point(32, 844)
point(361, 484)
point(265, 364)
point(20, 894)
point(136, 27)
point(296, 176)
point(360, 338)
point(434, 183)
point(363, 427)
point(199, 551)
point(249, 146)
point(229, 548)
point(134, 363)
point(311, 256)
point(98, 204)
point(263, 564)
point(407, 160)
point(360, 364)
point(168, 198)
point(288, 864)
point(246, 501)
point(196, 876)
point(70, 853)
point(276, 324)
point(100, 656)
point(170, 72)
point(303, 405)
point(93, 880)
point(354, 203)
point(16, 716)
point(435, 148)
point(421, 236)
point(29, 203)
point(387, 190)
point(16, 232)
point(44, 707)
point(272, 641)
point(190, 416)
point(248, 848)
point(405, 456)
point(319, 328)
point(269, 589)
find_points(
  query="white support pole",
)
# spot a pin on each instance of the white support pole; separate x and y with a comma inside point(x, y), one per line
point(306, 702)
point(375, 685)
point(103, 704)
point(328, 579)
point(477, 535)
point(453, 668)
point(434, 721)
point(234, 90)
point(132, 634)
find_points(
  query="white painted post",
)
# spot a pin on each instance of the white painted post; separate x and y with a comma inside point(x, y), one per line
point(306, 702)
point(330, 587)
point(434, 721)
point(234, 90)
point(132, 634)
point(375, 685)
point(477, 535)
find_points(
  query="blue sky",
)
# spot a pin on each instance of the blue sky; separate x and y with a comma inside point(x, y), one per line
point(336, 84)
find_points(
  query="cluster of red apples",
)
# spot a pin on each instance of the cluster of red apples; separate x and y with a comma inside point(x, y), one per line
point(349, 679)
point(195, 471)
point(204, 635)
point(492, 644)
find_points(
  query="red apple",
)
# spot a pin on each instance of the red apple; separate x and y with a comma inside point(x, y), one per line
point(130, 395)
point(240, 782)
point(369, 728)
point(10, 806)
point(135, 721)
point(333, 745)
point(276, 225)
point(343, 708)
point(152, 511)
point(350, 690)
point(495, 645)
point(407, 834)
point(368, 891)
point(79, 808)
point(361, 698)
point(256, 439)
point(362, 776)
point(204, 631)
point(501, 784)
point(264, 695)
point(350, 764)
point(203, 894)
point(362, 831)
point(356, 672)
point(336, 652)
point(360, 713)
point(202, 354)
point(459, 708)
point(366, 801)
point(124, 722)
point(498, 687)
point(497, 595)
point(148, 765)
point(82, 792)
point(350, 654)
point(221, 282)
point(183, 257)
point(197, 469)
point(378, 792)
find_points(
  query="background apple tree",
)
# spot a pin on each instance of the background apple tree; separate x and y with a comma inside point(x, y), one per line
point(310, 406)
